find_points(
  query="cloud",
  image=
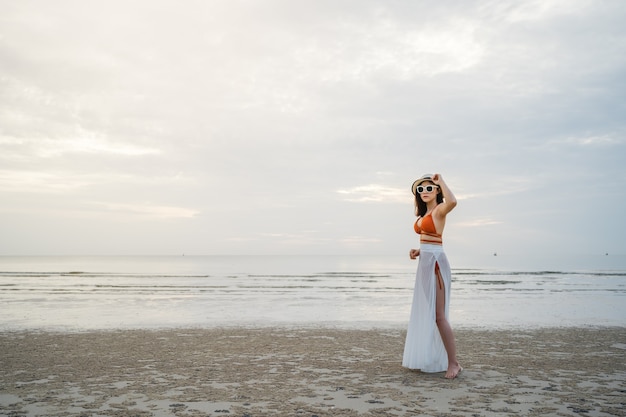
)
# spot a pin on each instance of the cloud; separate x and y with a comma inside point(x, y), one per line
point(374, 193)
point(19, 181)
point(479, 222)
point(287, 241)
point(50, 148)
point(296, 123)
point(67, 181)
point(146, 211)
point(388, 48)
point(359, 240)
point(534, 10)
point(601, 140)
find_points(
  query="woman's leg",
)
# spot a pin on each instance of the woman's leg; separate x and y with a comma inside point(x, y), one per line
point(445, 329)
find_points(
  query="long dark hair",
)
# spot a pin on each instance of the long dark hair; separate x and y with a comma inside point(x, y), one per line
point(421, 208)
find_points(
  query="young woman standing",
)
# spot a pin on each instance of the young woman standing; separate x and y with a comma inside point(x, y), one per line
point(430, 344)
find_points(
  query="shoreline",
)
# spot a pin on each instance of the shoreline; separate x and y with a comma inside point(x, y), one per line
point(306, 371)
point(286, 326)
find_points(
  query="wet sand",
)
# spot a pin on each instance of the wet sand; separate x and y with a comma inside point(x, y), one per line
point(308, 372)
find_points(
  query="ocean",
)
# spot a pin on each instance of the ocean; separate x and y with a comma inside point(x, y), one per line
point(65, 293)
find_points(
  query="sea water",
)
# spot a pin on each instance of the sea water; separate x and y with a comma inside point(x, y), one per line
point(110, 292)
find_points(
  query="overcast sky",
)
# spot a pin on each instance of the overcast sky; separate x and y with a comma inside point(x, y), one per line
point(297, 127)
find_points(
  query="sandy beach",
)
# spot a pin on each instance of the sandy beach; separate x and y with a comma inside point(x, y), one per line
point(308, 372)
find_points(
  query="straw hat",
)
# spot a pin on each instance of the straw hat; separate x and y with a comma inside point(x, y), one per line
point(423, 178)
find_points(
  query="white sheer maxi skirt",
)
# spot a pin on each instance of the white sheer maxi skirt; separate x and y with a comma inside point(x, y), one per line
point(424, 348)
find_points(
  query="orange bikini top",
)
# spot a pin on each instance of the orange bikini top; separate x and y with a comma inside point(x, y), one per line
point(427, 230)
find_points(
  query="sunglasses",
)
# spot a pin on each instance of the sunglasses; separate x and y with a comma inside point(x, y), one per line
point(426, 188)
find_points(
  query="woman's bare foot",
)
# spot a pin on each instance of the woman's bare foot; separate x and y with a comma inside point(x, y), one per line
point(453, 371)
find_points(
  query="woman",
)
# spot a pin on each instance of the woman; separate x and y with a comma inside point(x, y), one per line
point(430, 345)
